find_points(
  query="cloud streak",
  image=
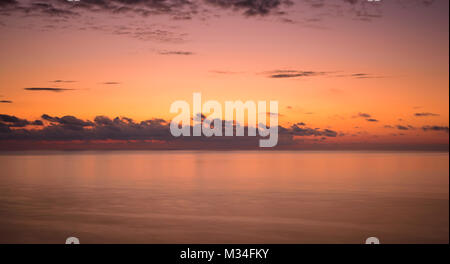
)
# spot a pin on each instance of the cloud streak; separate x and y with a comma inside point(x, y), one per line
point(436, 128)
point(365, 115)
point(184, 53)
point(280, 74)
point(62, 81)
point(424, 114)
point(47, 89)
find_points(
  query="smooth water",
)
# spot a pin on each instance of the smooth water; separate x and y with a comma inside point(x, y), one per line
point(224, 197)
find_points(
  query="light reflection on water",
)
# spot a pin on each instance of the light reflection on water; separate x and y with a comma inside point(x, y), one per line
point(224, 197)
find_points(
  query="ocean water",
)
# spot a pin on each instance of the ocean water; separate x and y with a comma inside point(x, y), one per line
point(224, 197)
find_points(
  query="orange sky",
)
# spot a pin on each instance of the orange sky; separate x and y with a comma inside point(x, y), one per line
point(400, 48)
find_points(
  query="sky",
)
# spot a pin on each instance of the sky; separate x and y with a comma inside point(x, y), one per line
point(346, 73)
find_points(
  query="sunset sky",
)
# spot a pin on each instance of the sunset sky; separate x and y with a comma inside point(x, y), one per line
point(373, 72)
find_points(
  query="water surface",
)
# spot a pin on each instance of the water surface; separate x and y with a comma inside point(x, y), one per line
point(224, 197)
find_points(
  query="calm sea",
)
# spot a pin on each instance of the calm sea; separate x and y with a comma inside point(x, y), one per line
point(224, 197)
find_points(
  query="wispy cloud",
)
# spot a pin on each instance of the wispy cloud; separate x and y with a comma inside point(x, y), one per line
point(400, 127)
point(360, 76)
point(364, 76)
point(47, 89)
point(306, 131)
point(224, 72)
point(425, 114)
point(435, 128)
point(62, 81)
point(176, 52)
point(290, 73)
point(278, 74)
point(365, 115)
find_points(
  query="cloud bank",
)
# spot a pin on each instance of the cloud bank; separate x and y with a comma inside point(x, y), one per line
point(69, 128)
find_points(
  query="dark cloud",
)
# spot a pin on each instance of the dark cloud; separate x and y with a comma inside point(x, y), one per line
point(306, 131)
point(313, 12)
point(185, 53)
point(435, 128)
point(6, 101)
point(62, 81)
point(141, 31)
point(319, 11)
point(124, 133)
point(357, 75)
point(400, 127)
point(362, 76)
point(299, 74)
point(365, 115)
point(139, 7)
point(425, 114)
point(79, 15)
point(293, 74)
point(37, 123)
point(4, 3)
point(51, 10)
point(68, 128)
point(48, 89)
point(8, 121)
point(72, 128)
point(12, 121)
point(252, 7)
point(177, 9)
point(111, 83)
point(148, 33)
point(68, 122)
